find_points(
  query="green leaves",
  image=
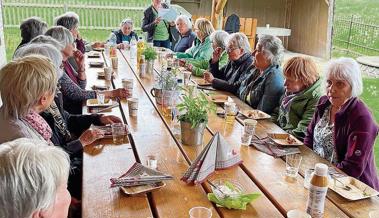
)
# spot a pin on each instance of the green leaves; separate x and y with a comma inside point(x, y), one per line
point(150, 53)
point(234, 203)
point(195, 109)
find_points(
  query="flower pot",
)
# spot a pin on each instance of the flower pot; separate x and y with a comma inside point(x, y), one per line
point(150, 67)
point(192, 136)
point(157, 94)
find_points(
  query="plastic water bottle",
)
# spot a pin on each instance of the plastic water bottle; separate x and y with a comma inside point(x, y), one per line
point(133, 48)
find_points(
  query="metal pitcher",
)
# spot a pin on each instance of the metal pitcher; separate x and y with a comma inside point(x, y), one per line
point(192, 136)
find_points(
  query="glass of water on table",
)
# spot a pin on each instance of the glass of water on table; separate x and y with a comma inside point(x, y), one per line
point(293, 162)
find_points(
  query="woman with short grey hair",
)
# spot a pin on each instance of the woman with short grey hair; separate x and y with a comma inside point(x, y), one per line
point(343, 130)
point(33, 181)
point(265, 87)
point(230, 77)
point(186, 36)
point(30, 28)
point(124, 34)
point(70, 20)
point(219, 40)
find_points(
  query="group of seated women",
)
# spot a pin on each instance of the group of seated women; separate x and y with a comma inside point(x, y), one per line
point(43, 88)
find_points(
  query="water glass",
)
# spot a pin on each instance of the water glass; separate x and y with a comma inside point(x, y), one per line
point(133, 106)
point(186, 77)
point(128, 85)
point(307, 178)
point(246, 138)
point(152, 162)
point(230, 111)
point(100, 98)
point(169, 99)
point(126, 45)
point(200, 212)
point(293, 162)
point(119, 132)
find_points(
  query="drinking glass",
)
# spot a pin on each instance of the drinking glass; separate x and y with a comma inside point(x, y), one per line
point(118, 133)
point(293, 162)
point(230, 111)
point(169, 99)
point(100, 98)
point(200, 212)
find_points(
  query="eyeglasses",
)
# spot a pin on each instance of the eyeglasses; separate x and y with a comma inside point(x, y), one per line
point(228, 50)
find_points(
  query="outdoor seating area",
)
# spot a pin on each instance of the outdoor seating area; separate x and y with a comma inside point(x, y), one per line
point(199, 109)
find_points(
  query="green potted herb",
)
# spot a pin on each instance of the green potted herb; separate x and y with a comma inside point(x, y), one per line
point(150, 56)
point(167, 82)
point(193, 116)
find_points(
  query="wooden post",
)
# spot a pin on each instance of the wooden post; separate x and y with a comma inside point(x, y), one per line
point(217, 13)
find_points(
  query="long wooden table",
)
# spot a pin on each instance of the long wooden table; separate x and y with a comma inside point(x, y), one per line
point(151, 133)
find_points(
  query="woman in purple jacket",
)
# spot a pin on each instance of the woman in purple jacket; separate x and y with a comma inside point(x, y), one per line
point(342, 129)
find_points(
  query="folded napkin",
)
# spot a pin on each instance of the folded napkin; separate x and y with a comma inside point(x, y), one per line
point(139, 175)
point(270, 148)
point(216, 155)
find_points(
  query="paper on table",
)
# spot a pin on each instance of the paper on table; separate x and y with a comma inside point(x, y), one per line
point(217, 154)
point(167, 14)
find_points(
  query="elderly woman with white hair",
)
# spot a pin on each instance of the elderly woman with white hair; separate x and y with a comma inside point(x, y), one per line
point(186, 36)
point(125, 33)
point(33, 180)
point(343, 130)
point(73, 98)
point(230, 77)
point(27, 87)
point(264, 88)
point(30, 28)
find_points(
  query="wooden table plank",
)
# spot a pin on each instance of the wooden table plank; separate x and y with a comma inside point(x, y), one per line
point(102, 161)
point(152, 137)
point(259, 208)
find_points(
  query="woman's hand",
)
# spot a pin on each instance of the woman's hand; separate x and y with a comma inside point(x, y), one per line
point(157, 20)
point(121, 93)
point(79, 59)
point(109, 119)
point(216, 55)
point(89, 136)
point(208, 77)
point(182, 62)
point(121, 46)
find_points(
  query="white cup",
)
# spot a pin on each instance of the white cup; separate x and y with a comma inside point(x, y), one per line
point(126, 45)
point(108, 73)
point(133, 106)
point(297, 214)
point(114, 61)
point(128, 84)
point(186, 77)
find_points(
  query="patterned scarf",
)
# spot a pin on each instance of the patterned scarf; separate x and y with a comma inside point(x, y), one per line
point(59, 123)
point(39, 124)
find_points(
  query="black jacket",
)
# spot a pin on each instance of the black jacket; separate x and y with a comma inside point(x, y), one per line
point(230, 77)
point(119, 35)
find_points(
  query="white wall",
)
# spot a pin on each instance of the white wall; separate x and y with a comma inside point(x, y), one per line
point(3, 58)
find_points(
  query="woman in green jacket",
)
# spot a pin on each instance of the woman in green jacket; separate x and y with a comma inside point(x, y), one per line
point(299, 102)
point(219, 39)
point(202, 47)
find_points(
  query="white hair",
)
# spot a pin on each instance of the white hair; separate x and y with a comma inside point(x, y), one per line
point(346, 69)
point(42, 39)
point(220, 37)
point(272, 47)
point(185, 19)
point(126, 21)
point(30, 174)
point(240, 40)
point(47, 50)
point(61, 34)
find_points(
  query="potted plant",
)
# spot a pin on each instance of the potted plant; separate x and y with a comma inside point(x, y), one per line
point(150, 56)
point(193, 116)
